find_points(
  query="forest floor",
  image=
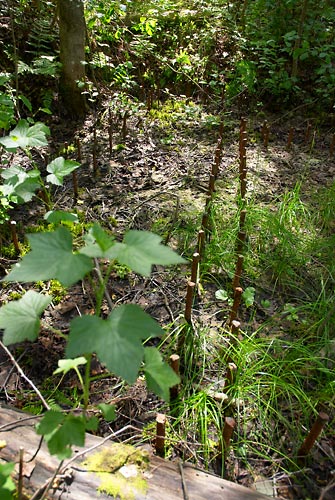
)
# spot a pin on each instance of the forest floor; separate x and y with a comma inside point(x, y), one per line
point(156, 179)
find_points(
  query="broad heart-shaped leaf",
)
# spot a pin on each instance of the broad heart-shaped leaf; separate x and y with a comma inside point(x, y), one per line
point(21, 318)
point(51, 257)
point(23, 136)
point(98, 242)
point(140, 250)
point(61, 432)
point(159, 376)
point(117, 341)
point(59, 168)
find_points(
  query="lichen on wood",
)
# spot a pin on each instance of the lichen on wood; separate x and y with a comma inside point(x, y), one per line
point(121, 468)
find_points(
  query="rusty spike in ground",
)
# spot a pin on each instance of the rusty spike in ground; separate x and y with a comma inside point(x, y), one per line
point(189, 301)
point(290, 139)
point(240, 241)
point(238, 271)
point(194, 268)
point(218, 154)
point(243, 183)
point(160, 434)
point(110, 132)
point(94, 151)
point(174, 363)
point(243, 214)
point(227, 432)
point(314, 433)
point(201, 242)
point(78, 145)
point(75, 185)
point(15, 240)
point(308, 133)
point(236, 304)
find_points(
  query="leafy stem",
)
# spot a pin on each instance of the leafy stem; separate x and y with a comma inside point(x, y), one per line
point(102, 290)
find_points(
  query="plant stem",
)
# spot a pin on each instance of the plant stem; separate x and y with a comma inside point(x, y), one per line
point(87, 381)
point(102, 288)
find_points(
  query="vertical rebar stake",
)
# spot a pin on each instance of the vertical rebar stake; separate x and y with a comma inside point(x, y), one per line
point(314, 433)
point(14, 236)
point(236, 304)
point(94, 151)
point(79, 157)
point(201, 242)
point(243, 214)
point(174, 363)
point(290, 139)
point(160, 434)
point(308, 133)
point(227, 432)
point(238, 271)
point(75, 186)
point(20, 479)
point(189, 301)
point(194, 268)
point(240, 241)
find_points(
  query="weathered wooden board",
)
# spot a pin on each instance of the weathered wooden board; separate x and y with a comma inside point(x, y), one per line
point(164, 478)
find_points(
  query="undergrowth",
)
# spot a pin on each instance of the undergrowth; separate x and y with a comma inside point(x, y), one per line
point(285, 355)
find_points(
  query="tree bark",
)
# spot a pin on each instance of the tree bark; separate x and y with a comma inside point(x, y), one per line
point(72, 34)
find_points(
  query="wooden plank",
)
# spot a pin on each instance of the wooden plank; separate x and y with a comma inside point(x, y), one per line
point(166, 480)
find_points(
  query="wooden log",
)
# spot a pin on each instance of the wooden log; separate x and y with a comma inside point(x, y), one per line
point(168, 480)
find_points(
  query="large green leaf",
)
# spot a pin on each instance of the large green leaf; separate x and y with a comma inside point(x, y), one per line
point(7, 485)
point(159, 376)
point(20, 183)
point(57, 216)
point(140, 250)
point(98, 243)
point(61, 432)
point(23, 136)
point(59, 168)
point(51, 257)
point(21, 318)
point(117, 341)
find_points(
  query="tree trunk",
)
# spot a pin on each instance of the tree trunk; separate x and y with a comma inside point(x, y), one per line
point(72, 34)
point(294, 70)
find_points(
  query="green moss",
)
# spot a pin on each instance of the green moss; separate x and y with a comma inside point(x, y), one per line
point(53, 288)
point(118, 486)
point(120, 468)
point(10, 252)
point(16, 295)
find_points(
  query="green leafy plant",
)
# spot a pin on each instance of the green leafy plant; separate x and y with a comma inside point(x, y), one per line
point(117, 340)
point(7, 485)
point(20, 184)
